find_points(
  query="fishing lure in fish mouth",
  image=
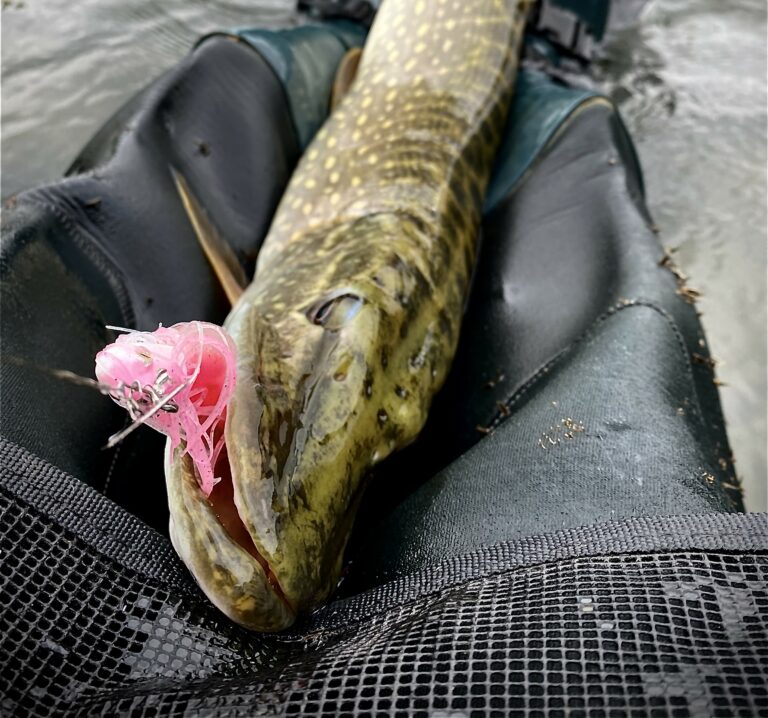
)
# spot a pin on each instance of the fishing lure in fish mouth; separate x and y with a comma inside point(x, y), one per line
point(178, 380)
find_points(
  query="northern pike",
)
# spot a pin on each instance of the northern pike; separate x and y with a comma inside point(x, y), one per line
point(352, 319)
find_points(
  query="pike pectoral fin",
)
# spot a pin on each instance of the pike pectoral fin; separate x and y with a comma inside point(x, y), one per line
point(345, 75)
point(223, 260)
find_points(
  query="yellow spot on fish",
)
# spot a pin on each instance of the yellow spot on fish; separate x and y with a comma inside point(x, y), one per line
point(447, 45)
point(367, 101)
point(362, 119)
point(420, 47)
point(450, 24)
point(329, 163)
point(310, 184)
point(334, 177)
point(331, 142)
point(356, 181)
point(307, 208)
point(373, 159)
point(410, 64)
point(335, 198)
point(419, 7)
point(391, 95)
point(423, 30)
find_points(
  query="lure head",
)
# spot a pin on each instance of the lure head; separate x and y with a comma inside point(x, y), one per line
point(177, 380)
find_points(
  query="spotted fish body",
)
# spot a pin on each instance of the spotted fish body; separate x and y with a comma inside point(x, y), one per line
point(352, 320)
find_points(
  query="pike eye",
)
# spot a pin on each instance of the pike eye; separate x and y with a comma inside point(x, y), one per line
point(335, 312)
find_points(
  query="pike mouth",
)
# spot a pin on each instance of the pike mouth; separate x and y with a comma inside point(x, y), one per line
point(222, 503)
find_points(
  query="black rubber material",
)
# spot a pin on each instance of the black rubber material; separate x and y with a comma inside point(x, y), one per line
point(580, 356)
point(463, 596)
point(112, 245)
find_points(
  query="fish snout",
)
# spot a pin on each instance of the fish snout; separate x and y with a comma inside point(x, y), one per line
point(233, 576)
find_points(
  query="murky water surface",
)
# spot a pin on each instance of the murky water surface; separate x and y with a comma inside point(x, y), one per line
point(689, 77)
point(690, 81)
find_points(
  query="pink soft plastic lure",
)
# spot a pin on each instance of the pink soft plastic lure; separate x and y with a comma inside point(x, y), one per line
point(177, 380)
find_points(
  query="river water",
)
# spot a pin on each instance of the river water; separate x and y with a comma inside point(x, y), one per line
point(688, 75)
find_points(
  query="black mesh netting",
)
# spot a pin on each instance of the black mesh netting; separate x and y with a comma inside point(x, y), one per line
point(589, 622)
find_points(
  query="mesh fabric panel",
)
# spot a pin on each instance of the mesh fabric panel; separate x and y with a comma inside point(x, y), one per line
point(612, 620)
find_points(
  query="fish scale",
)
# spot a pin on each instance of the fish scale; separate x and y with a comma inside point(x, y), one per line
point(353, 317)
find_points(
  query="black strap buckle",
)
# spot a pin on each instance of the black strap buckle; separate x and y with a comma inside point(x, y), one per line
point(572, 27)
point(360, 11)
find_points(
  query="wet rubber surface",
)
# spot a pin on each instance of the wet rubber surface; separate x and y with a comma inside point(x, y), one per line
point(688, 78)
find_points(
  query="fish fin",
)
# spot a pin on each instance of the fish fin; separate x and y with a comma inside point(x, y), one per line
point(345, 75)
point(225, 265)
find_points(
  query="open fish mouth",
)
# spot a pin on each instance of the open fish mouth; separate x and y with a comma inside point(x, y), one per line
point(212, 539)
point(180, 380)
